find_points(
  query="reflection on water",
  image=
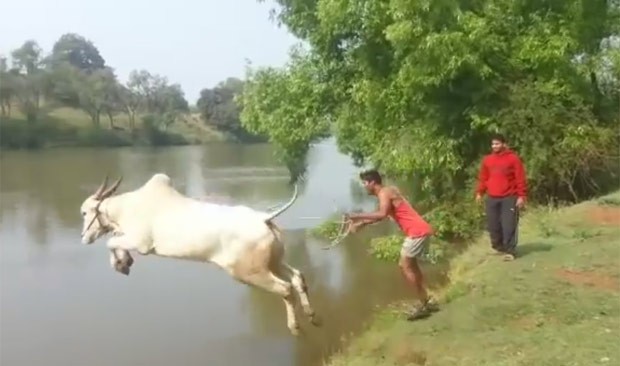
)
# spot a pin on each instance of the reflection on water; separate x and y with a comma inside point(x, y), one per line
point(61, 303)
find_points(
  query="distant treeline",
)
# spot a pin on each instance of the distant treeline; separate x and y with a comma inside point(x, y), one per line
point(75, 75)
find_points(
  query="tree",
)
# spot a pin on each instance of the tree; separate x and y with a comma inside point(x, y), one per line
point(417, 87)
point(78, 52)
point(7, 87)
point(71, 52)
point(220, 108)
point(27, 79)
point(290, 106)
point(168, 101)
point(217, 106)
point(95, 91)
point(113, 102)
point(152, 94)
point(130, 101)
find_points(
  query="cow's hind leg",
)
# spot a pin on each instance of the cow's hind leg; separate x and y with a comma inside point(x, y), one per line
point(272, 283)
point(299, 284)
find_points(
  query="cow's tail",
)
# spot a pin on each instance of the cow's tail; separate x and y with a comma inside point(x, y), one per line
point(283, 208)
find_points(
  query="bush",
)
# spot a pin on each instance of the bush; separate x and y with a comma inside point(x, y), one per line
point(387, 248)
point(155, 136)
point(461, 220)
point(17, 134)
point(92, 136)
point(329, 229)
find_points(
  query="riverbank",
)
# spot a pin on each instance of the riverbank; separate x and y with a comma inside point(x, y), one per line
point(557, 304)
point(63, 127)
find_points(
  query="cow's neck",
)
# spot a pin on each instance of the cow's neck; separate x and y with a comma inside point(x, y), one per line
point(111, 209)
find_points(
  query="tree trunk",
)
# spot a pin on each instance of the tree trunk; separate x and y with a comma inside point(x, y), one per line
point(597, 96)
point(111, 117)
point(94, 116)
point(132, 120)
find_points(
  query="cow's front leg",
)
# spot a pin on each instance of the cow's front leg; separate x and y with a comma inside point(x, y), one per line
point(120, 259)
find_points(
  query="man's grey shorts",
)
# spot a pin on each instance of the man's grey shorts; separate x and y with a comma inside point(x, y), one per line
point(413, 247)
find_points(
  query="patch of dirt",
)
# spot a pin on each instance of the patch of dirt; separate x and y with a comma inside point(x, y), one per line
point(605, 215)
point(404, 354)
point(590, 279)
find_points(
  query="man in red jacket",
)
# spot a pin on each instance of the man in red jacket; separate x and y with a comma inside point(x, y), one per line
point(502, 177)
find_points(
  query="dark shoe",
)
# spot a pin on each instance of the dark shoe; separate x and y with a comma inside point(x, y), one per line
point(424, 310)
point(418, 313)
point(431, 305)
point(509, 257)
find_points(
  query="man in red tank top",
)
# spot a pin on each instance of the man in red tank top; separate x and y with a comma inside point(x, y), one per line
point(417, 235)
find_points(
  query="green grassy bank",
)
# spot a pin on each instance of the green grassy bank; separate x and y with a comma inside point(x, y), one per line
point(557, 304)
point(73, 127)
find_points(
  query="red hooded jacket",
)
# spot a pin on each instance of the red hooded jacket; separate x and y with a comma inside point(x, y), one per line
point(502, 174)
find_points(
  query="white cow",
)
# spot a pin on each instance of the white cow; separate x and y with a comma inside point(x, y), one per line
point(157, 219)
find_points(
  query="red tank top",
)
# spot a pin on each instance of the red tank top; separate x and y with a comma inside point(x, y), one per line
point(409, 221)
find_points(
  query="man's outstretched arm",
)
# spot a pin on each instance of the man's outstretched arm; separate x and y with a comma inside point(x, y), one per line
point(380, 214)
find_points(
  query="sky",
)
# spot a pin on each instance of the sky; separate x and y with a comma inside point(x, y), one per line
point(196, 43)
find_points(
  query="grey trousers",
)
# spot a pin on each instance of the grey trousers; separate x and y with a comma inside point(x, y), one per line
point(502, 222)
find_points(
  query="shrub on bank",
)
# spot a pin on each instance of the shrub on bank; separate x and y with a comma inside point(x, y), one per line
point(92, 136)
point(16, 134)
point(328, 229)
point(388, 248)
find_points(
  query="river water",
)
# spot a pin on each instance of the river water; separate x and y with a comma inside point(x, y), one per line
point(62, 304)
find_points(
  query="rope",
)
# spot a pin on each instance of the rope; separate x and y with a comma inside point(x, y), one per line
point(343, 232)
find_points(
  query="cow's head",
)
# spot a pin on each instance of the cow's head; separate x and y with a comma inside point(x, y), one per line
point(95, 221)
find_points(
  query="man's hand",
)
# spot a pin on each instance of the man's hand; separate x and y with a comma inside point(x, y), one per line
point(355, 226)
point(478, 197)
point(520, 202)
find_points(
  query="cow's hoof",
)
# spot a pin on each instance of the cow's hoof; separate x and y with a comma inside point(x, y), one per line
point(128, 262)
point(316, 320)
point(120, 268)
point(294, 330)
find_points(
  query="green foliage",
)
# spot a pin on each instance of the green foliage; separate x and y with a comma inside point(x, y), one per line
point(155, 136)
point(16, 134)
point(546, 229)
point(567, 150)
point(288, 106)
point(219, 108)
point(76, 51)
point(459, 220)
point(92, 136)
point(585, 234)
point(328, 229)
point(609, 200)
point(417, 89)
point(46, 131)
point(388, 248)
point(75, 75)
